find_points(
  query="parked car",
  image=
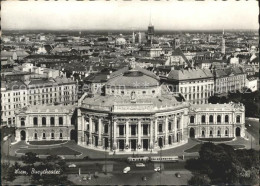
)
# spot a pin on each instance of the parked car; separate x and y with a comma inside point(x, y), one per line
point(157, 169)
point(72, 166)
point(178, 175)
point(126, 170)
point(140, 165)
point(86, 158)
point(84, 178)
point(62, 157)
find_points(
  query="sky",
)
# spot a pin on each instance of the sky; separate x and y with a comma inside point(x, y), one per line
point(127, 15)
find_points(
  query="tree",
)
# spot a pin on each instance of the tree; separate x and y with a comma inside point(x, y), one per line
point(30, 158)
point(199, 180)
point(223, 165)
point(8, 171)
point(213, 99)
point(223, 99)
point(52, 162)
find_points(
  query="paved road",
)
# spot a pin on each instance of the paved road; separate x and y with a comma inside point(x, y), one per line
point(117, 167)
point(252, 126)
point(134, 178)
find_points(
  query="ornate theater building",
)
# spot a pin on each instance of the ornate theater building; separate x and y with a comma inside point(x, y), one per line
point(134, 112)
point(137, 113)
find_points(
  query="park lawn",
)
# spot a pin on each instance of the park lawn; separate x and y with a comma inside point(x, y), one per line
point(197, 147)
point(54, 142)
point(51, 151)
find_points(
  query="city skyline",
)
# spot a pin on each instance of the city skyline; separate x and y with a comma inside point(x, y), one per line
point(102, 15)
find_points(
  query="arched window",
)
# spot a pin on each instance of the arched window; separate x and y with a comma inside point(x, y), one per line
point(226, 132)
point(43, 135)
point(43, 121)
point(203, 132)
point(226, 119)
point(203, 119)
point(238, 119)
point(218, 132)
point(211, 119)
point(52, 121)
point(22, 122)
point(192, 118)
point(35, 121)
point(61, 135)
point(211, 132)
point(218, 119)
point(60, 121)
point(35, 136)
point(52, 135)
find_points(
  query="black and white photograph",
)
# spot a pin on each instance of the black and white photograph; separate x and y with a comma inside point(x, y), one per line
point(129, 92)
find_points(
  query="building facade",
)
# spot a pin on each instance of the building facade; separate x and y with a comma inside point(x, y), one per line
point(195, 85)
point(229, 80)
point(133, 115)
point(19, 94)
point(216, 120)
point(14, 95)
point(136, 113)
point(38, 123)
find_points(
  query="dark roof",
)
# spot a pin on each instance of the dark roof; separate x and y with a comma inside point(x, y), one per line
point(12, 85)
point(228, 71)
point(97, 77)
point(190, 74)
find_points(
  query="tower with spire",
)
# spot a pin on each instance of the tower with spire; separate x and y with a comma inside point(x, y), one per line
point(150, 32)
point(223, 47)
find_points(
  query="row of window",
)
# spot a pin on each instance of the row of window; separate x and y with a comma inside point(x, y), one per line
point(211, 119)
point(14, 94)
point(43, 121)
point(123, 92)
point(232, 78)
point(44, 135)
point(193, 96)
point(211, 133)
point(189, 89)
point(55, 95)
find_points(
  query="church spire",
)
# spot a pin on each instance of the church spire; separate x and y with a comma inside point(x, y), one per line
point(150, 22)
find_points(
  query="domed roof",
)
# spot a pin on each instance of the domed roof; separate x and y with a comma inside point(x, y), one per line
point(133, 78)
point(120, 40)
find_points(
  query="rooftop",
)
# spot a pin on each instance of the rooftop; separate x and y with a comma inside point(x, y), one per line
point(49, 108)
point(225, 106)
point(122, 104)
point(190, 74)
